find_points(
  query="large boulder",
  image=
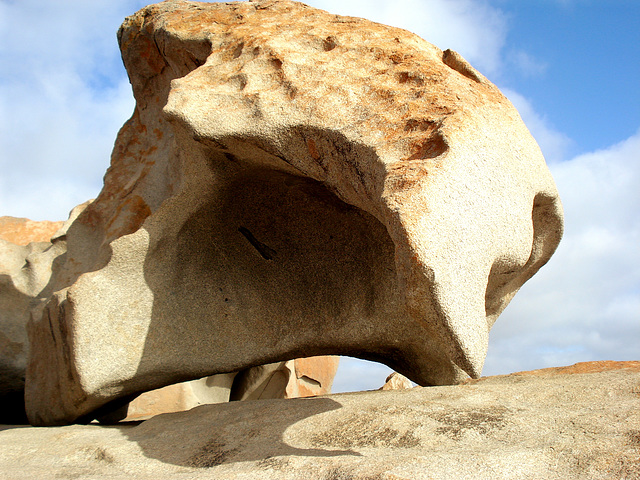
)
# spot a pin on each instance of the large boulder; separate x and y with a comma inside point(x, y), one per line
point(28, 250)
point(577, 422)
point(291, 183)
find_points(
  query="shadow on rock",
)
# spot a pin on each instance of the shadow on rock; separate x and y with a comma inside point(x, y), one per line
point(218, 434)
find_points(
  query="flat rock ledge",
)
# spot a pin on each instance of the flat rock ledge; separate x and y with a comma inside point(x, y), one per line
point(562, 423)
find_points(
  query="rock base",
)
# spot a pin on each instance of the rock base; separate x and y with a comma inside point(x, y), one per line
point(564, 423)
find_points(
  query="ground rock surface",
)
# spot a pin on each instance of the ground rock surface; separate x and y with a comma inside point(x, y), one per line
point(291, 183)
point(579, 422)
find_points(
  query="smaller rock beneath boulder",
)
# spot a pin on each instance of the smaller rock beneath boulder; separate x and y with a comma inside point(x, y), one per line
point(302, 377)
point(395, 381)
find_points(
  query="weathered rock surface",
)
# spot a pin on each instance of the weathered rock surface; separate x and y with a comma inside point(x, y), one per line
point(395, 381)
point(302, 377)
point(576, 423)
point(23, 231)
point(312, 376)
point(28, 251)
point(26, 264)
point(291, 183)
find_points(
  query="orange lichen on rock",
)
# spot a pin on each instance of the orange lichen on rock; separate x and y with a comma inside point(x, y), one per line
point(23, 231)
point(585, 367)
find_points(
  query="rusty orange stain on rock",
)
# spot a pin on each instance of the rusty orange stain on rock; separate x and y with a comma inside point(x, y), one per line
point(313, 150)
point(585, 367)
point(129, 216)
point(23, 231)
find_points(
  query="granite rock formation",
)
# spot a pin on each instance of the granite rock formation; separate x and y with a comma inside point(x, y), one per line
point(395, 381)
point(302, 377)
point(28, 253)
point(291, 183)
point(28, 250)
point(580, 422)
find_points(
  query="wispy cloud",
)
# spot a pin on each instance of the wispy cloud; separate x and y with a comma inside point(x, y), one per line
point(526, 64)
point(357, 375)
point(553, 143)
point(63, 97)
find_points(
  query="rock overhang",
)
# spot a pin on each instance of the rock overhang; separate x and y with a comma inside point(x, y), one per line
point(265, 114)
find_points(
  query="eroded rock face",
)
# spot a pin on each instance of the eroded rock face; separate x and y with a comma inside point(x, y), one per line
point(292, 183)
point(28, 250)
point(395, 381)
point(302, 377)
point(28, 253)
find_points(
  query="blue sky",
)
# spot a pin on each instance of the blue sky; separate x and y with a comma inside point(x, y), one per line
point(585, 65)
point(571, 67)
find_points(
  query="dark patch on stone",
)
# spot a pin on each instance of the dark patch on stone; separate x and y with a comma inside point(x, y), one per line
point(457, 422)
point(264, 250)
point(273, 463)
point(101, 455)
point(341, 473)
point(211, 454)
point(634, 437)
point(329, 44)
point(365, 431)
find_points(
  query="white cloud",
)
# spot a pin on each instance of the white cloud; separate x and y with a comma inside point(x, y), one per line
point(585, 304)
point(63, 97)
point(553, 143)
point(526, 64)
point(357, 375)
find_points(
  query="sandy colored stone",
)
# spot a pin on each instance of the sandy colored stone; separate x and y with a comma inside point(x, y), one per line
point(26, 261)
point(302, 377)
point(23, 231)
point(395, 381)
point(291, 183)
point(313, 376)
point(28, 251)
point(548, 425)
point(173, 398)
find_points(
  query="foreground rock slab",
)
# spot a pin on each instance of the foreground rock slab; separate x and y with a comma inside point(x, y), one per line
point(580, 422)
point(292, 183)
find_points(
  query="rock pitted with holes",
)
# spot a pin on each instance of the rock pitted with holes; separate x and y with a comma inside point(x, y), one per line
point(293, 183)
